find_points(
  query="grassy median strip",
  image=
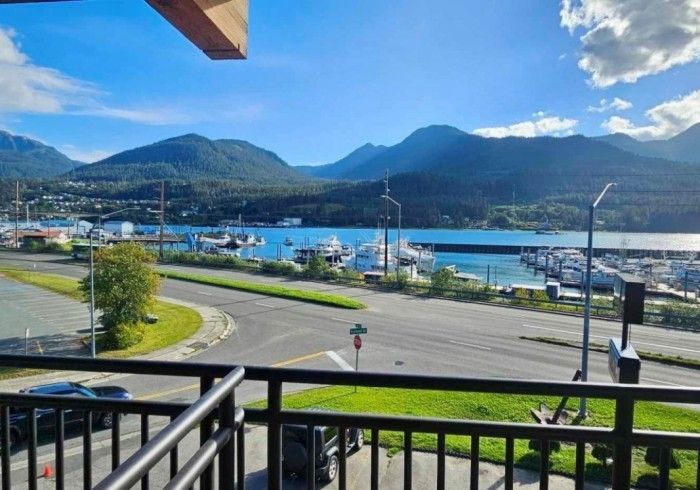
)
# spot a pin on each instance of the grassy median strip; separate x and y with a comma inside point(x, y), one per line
point(175, 322)
point(645, 356)
point(504, 408)
point(317, 297)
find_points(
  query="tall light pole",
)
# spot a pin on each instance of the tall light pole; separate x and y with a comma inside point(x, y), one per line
point(587, 307)
point(386, 225)
point(398, 238)
point(93, 349)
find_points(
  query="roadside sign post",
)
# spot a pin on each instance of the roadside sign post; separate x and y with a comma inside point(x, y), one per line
point(26, 341)
point(357, 342)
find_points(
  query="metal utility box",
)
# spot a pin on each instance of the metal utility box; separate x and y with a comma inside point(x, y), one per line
point(624, 365)
point(628, 298)
point(553, 290)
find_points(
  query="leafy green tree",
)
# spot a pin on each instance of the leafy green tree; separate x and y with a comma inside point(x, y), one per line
point(125, 284)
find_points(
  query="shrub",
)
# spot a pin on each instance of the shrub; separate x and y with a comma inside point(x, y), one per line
point(602, 452)
point(653, 458)
point(442, 280)
point(124, 336)
point(534, 445)
point(283, 268)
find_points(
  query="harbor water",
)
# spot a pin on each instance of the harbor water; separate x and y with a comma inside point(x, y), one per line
point(500, 269)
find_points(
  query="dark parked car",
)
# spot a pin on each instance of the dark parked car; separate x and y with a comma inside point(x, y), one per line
point(294, 449)
point(45, 418)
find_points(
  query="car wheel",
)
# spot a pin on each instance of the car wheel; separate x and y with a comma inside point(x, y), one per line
point(106, 420)
point(359, 439)
point(332, 469)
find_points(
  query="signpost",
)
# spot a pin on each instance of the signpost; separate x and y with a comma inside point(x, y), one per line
point(357, 342)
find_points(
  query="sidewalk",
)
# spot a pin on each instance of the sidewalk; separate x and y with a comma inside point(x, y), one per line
point(216, 326)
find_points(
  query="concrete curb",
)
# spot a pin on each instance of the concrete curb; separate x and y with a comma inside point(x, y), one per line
point(217, 326)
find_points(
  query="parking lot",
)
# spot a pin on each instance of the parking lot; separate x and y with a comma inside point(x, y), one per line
point(37, 321)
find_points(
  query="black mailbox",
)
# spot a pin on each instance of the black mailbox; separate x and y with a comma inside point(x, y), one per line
point(628, 299)
point(624, 365)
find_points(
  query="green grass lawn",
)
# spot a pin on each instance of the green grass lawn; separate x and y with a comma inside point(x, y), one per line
point(513, 408)
point(175, 322)
point(317, 297)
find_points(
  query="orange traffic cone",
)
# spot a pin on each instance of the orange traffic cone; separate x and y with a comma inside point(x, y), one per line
point(48, 471)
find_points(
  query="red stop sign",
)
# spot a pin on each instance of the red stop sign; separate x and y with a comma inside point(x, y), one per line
point(357, 342)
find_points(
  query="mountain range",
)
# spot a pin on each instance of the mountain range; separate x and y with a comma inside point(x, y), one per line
point(193, 157)
point(684, 147)
point(448, 150)
point(22, 157)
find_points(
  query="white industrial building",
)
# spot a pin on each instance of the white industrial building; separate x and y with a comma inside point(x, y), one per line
point(118, 228)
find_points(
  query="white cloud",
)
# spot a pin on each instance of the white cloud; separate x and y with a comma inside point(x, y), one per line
point(29, 88)
point(617, 104)
point(667, 119)
point(625, 40)
point(87, 156)
point(541, 126)
point(562, 56)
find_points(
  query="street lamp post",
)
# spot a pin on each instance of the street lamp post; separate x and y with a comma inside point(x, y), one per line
point(93, 350)
point(398, 238)
point(587, 304)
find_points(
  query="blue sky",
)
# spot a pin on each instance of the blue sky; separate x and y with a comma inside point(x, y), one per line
point(324, 77)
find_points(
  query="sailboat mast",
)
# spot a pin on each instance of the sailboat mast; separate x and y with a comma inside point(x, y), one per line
point(386, 223)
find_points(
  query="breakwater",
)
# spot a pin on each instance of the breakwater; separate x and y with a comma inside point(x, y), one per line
point(479, 248)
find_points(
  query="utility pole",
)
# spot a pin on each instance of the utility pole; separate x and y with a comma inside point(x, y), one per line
point(162, 218)
point(17, 214)
point(386, 224)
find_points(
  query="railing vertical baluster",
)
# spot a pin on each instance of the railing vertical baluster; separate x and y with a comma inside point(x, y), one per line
point(544, 464)
point(31, 449)
point(441, 461)
point(144, 440)
point(310, 457)
point(622, 453)
point(664, 467)
point(580, 481)
point(697, 476)
point(407, 460)
point(510, 450)
point(342, 454)
point(173, 457)
point(374, 465)
point(474, 463)
point(116, 442)
point(87, 450)
point(60, 439)
point(240, 464)
point(206, 429)
point(227, 456)
point(5, 448)
point(274, 435)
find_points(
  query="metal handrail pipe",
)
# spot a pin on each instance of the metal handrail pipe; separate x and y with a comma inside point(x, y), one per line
point(376, 379)
point(32, 400)
point(200, 460)
point(141, 462)
point(205, 455)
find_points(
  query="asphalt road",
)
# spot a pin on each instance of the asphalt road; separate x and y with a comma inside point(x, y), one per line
point(407, 334)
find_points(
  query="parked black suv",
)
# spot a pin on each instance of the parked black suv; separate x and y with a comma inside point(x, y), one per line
point(45, 417)
point(327, 450)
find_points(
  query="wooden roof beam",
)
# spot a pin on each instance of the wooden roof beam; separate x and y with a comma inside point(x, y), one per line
point(217, 27)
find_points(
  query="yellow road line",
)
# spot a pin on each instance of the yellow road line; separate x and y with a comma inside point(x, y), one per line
point(307, 357)
point(160, 394)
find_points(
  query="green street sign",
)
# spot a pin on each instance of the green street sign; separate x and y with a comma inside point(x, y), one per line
point(358, 329)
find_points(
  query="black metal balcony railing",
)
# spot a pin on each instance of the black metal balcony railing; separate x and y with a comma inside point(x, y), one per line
point(217, 402)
